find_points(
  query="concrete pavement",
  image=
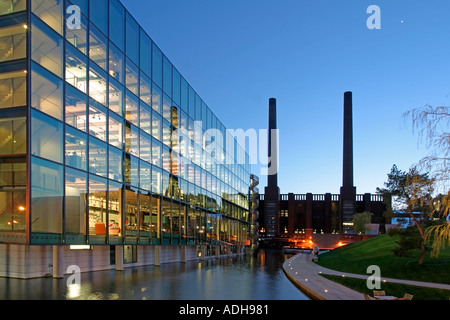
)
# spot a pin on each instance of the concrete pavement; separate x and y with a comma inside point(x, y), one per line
point(307, 275)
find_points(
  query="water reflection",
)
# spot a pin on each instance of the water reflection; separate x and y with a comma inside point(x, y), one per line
point(258, 277)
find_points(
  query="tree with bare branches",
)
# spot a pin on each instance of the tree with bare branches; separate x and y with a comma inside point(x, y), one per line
point(432, 125)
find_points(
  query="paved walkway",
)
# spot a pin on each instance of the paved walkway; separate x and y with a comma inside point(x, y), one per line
point(306, 274)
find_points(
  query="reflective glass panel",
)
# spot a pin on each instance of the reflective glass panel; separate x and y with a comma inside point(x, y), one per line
point(78, 36)
point(76, 201)
point(76, 108)
point(116, 63)
point(47, 183)
point(51, 12)
point(76, 148)
point(146, 53)
point(97, 205)
point(13, 89)
point(115, 131)
point(98, 48)
point(117, 24)
point(132, 39)
point(116, 96)
point(47, 137)
point(13, 133)
point(97, 84)
point(98, 157)
point(13, 43)
point(47, 92)
point(47, 47)
point(115, 164)
point(76, 68)
point(97, 121)
point(98, 14)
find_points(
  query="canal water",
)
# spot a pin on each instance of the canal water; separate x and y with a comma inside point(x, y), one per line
point(257, 277)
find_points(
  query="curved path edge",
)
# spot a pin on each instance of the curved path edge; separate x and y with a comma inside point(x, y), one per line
point(306, 275)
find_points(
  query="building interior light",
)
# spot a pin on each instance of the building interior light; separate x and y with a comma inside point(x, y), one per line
point(80, 247)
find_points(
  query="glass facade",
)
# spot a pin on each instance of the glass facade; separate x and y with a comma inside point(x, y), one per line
point(102, 140)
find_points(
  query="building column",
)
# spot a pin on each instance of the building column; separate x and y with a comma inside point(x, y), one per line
point(157, 253)
point(119, 258)
point(58, 262)
point(217, 252)
point(183, 250)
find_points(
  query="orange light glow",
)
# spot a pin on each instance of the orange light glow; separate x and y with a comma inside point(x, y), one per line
point(21, 208)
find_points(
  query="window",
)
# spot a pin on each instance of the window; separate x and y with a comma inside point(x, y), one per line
point(184, 95)
point(76, 148)
point(132, 140)
point(145, 89)
point(97, 121)
point(13, 89)
point(47, 183)
point(166, 133)
point(47, 48)
point(145, 175)
point(132, 77)
point(167, 76)
point(156, 180)
point(47, 137)
point(51, 12)
point(97, 85)
point(98, 157)
point(129, 254)
point(116, 63)
point(11, 6)
point(97, 205)
point(115, 164)
point(145, 224)
point(76, 201)
point(176, 87)
point(115, 131)
point(13, 133)
point(13, 43)
point(117, 24)
point(131, 170)
point(146, 53)
point(12, 195)
point(115, 208)
point(145, 147)
point(167, 108)
point(165, 158)
point(47, 92)
point(132, 212)
point(78, 36)
point(98, 47)
point(156, 153)
point(156, 99)
point(145, 117)
point(132, 39)
point(76, 68)
point(99, 14)
point(132, 108)
point(156, 126)
point(75, 108)
point(157, 65)
point(116, 96)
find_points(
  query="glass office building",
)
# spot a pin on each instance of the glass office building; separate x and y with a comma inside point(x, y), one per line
point(103, 141)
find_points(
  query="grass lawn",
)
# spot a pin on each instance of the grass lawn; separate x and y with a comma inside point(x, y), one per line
point(393, 289)
point(356, 257)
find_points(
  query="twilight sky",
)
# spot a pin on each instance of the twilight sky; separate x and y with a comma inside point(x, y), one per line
point(237, 54)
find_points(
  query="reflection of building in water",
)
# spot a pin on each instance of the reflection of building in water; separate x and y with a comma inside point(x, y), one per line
point(92, 122)
point(300, 216)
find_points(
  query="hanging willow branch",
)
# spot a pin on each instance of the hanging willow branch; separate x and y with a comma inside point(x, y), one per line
point(432, 125)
